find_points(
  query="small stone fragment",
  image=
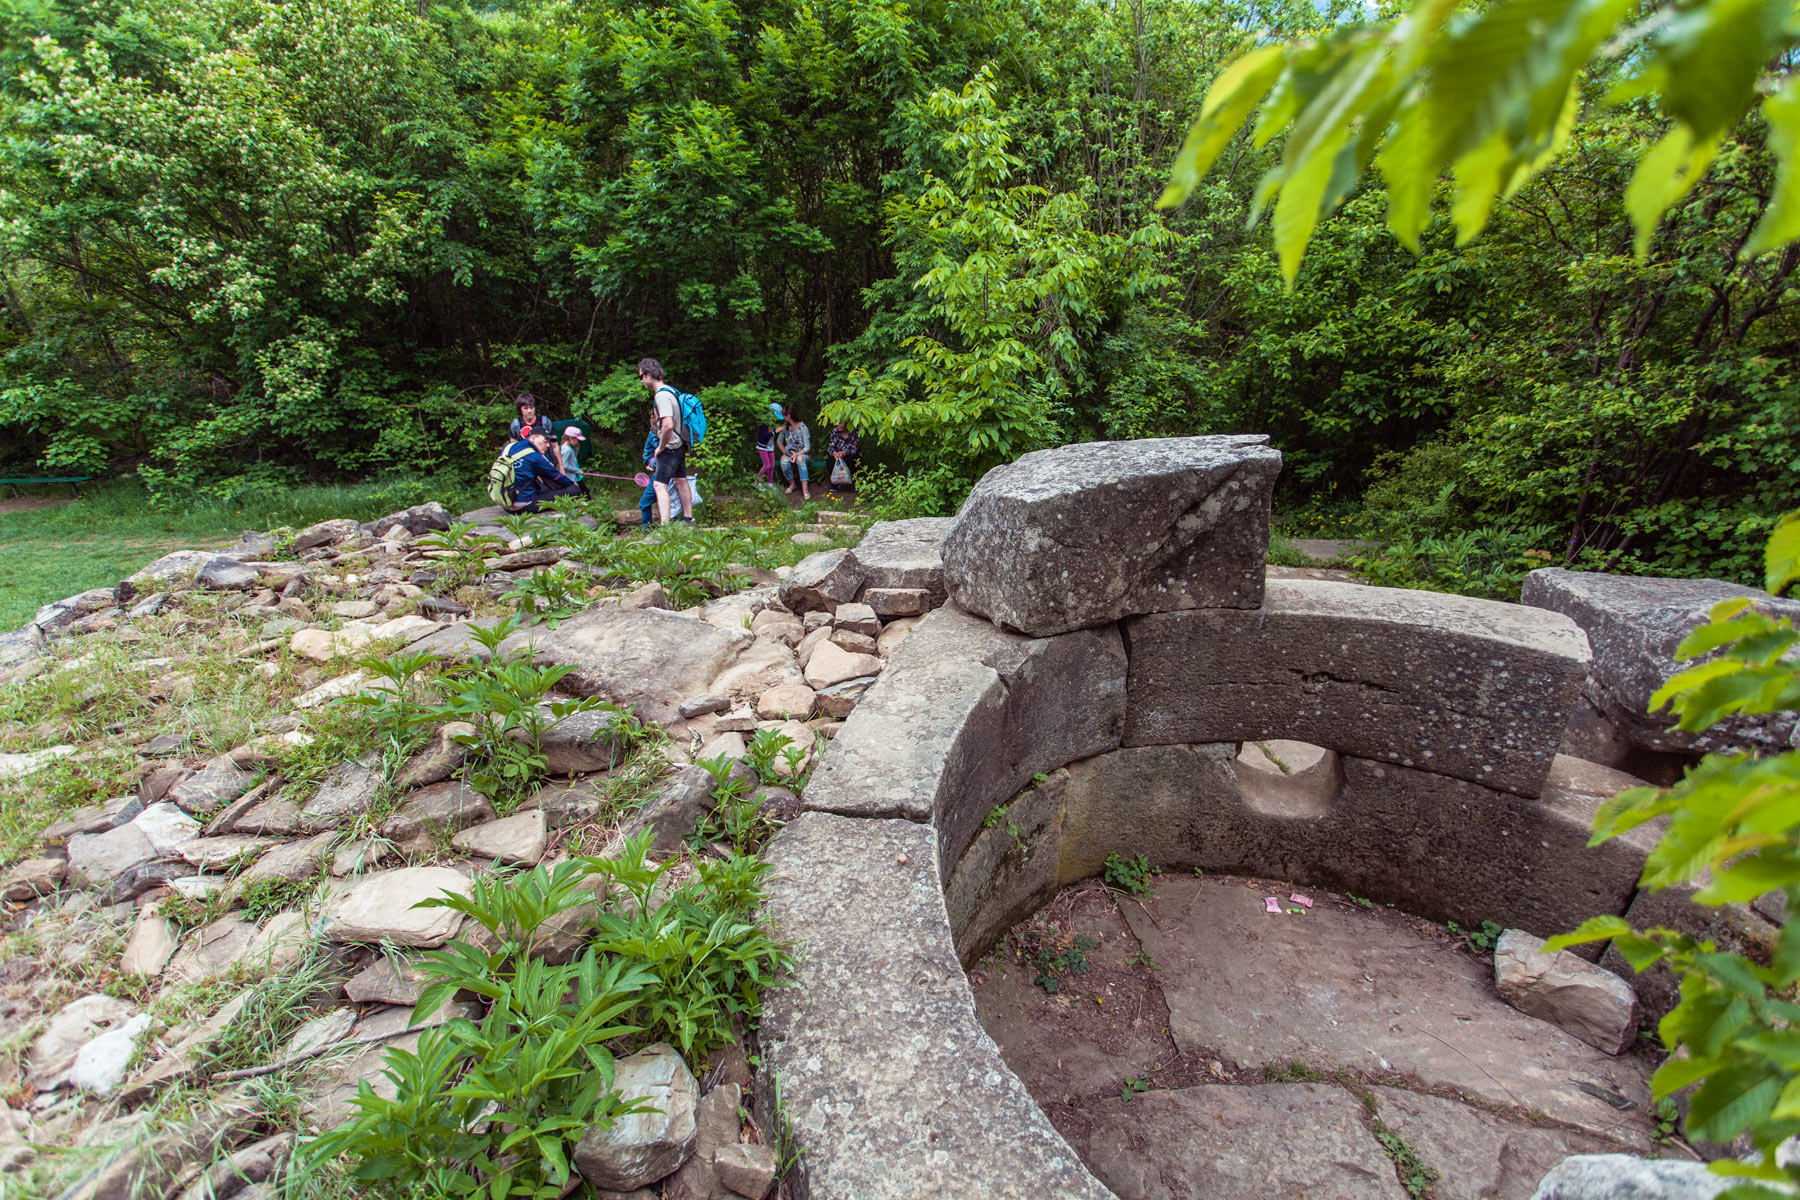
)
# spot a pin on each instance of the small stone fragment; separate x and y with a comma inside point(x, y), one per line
point(1591, 1003)
point(32, 878)
point(788, 701)
point(897, 602)
point(699, 706)
point(152, 944)
point(646, 1146)
point(857, 618)
point(746, 1170)
point(830, 664)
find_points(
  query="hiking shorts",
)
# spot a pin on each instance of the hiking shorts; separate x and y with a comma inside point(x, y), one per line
point(671, 464)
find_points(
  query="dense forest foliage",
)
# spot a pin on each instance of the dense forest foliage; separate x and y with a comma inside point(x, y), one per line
point(248, 242)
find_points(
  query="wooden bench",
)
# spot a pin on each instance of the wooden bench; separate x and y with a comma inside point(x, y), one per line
point(74, 482)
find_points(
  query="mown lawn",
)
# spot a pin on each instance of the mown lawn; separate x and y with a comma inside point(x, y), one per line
point(52, 552)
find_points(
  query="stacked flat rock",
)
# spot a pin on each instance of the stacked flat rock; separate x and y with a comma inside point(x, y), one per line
point(1081, 535)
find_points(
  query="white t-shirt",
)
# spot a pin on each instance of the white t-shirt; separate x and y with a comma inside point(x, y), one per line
point(668, 406)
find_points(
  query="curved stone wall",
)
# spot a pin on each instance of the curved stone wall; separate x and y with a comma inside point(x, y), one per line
point(893, 876)
point(986, 768)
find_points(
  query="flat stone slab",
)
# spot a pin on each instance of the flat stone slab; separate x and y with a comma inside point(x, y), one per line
point(645, 659)
point(1240, 1143)
point(1634, 624)
point(893, 1088)
point(1477, 1155)
point(1336, 988)
point(1085, 534)
point(963, 715)
point(1473, 689)
point(380, 908)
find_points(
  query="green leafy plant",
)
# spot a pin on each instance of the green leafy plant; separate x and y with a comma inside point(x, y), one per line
point(1133, 1087)
point(1142, 958)
point(1480, 939)
point(462, 555)
point(551, 595)
point(506, 698)
point(1415, 1176)
point(493, 1108)
point(764, 747)
point(1053, 958)
point(1132, 874)
point(392, 706)
point(1736, 818)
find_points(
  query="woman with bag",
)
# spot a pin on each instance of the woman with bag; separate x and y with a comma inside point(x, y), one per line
point(846, 452)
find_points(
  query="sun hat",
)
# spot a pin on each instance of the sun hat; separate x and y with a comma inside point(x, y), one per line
point(573, 432)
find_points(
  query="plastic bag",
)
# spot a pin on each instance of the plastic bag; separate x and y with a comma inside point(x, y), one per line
point(840, 471)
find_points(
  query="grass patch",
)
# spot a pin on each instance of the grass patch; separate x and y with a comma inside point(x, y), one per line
point(113, 529)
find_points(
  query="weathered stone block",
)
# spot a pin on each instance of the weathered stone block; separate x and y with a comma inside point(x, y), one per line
point(645, 659)
point(1634, 624)
point(963, 716)
point(1077, 536)
point(821, 582)
point(905, 554)
point(1469, 688)
point(894, 1088)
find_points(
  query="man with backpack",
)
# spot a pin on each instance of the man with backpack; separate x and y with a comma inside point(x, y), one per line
point(523, 476)
point(675, 435)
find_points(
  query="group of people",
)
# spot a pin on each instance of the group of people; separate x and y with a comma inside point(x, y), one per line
point(537, 467)
point(789, 442)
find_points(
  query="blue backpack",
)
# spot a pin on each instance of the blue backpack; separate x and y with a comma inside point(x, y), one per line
point(693, 417)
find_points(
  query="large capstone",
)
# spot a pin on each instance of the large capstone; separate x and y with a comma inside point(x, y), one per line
point(1084, 534)
point(1634, 624)
point(1473, 689)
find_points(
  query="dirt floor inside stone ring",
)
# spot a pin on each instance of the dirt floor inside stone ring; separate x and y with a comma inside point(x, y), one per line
point(1195, 1045)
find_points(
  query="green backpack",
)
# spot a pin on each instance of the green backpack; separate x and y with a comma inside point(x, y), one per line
point(503, 476)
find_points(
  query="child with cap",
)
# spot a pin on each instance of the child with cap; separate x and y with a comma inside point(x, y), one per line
point(572, 437)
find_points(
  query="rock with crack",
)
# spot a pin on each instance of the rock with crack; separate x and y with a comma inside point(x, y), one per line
point(153, 942)
point(292, 862)
point(768, 662)
point(1473, 689)
point(644, 1147)
point(717, 1127)
point(346, 794)
point(210, 951)
point(224, 575)
point(216, 784)
point(334, 1102)
point(583, 742)
point(383, 908)
point(438, 761)
point(1085, 534)
point(435, 813)
point(325, 533)
point(831, 664)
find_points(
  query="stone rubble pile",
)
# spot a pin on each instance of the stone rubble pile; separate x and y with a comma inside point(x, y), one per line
point(220, 830)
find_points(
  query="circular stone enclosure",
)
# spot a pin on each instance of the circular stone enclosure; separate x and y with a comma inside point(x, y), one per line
point(987, 769)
